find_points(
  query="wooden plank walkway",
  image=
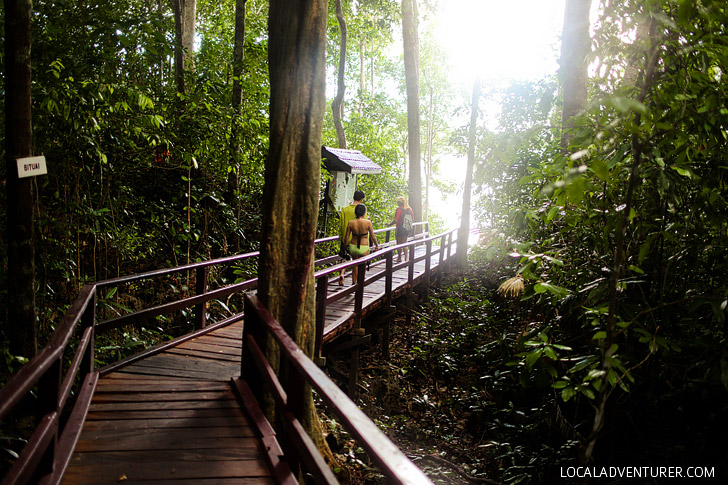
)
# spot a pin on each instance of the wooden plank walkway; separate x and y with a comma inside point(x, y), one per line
point(340, 314)
point(172, 418)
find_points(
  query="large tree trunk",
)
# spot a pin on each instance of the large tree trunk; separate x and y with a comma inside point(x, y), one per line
point(21, 327)
point(337, 105)
point(464, 231)
point(237, 100)
point(238, 54)
point(575, 48)
point(412, 80)
point(185, 15)
point(428, 156)
point(297, 63)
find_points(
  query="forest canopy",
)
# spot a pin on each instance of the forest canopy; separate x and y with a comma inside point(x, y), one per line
point(599, 188)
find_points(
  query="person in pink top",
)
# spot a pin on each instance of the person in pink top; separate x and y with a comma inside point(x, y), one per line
point(404, 219)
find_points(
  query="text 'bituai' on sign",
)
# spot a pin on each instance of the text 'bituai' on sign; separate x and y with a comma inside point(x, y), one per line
point(32, 166)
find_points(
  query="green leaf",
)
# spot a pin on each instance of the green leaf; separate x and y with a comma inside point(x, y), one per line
point(600, 335)
point(532, 358)
point(683, 171)
point(626, 105)
point(557, 291)
point(600, 168)
point(549, 352)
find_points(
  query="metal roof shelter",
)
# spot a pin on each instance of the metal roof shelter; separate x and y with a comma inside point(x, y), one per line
point(349, 161)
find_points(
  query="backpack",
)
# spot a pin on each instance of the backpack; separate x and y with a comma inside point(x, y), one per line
point(407, 221)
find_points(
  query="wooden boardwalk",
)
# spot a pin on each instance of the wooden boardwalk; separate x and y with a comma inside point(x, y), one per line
point(171, 418)
point(175, 413)
point(340, 314)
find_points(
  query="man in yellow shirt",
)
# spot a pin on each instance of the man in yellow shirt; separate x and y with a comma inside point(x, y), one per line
point(347, 214)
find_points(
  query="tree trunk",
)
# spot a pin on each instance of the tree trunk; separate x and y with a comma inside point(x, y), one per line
point(428, 156)
point(412, 80)
point(362, 76)
point(238, 54)
point(337, 105)
point(162, 57)
point(237, 101)
point(185, 14)
point(464, 231)
point(575, 48)
point(297, 64)
point(21, 326)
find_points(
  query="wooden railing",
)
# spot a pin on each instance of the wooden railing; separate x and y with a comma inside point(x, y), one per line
point(323, 277)
point(202, 293)
point(290, 408)
point(46, 455)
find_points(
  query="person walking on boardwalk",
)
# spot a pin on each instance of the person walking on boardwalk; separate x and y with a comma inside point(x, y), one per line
point(347, 214)
point(359, 234)
point(404, 218)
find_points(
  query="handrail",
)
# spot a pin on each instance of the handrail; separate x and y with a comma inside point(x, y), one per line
point(45, 456)
point(323, 299)
point(289, 397)
point(201, 288)
point(48, 451)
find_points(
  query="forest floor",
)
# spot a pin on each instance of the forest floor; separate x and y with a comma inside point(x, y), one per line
point(427, 397)
point(455, 396)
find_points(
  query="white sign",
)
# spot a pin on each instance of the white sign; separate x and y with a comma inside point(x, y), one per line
point(32, 166)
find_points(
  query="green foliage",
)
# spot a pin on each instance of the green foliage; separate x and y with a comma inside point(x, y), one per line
point(648, 161)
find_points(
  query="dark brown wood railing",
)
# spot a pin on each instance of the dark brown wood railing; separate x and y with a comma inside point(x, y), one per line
point(297, 445)
point(46, 455)
point(324, 276)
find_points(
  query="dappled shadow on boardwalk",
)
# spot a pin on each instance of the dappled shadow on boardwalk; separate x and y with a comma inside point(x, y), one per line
point(171, 418)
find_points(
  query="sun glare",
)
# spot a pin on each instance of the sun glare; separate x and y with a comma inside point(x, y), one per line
point(500, 40)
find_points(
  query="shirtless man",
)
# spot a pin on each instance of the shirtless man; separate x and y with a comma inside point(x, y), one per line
point(359, 232)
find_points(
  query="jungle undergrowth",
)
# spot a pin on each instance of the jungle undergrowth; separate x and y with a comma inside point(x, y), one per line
point(447, 395)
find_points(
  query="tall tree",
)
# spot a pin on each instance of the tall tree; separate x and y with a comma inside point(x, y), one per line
point(237, 101)
point(410, 38)
point(297, 64)
point(464, 230)
point(185, 16)
point(575, 49)
point(337, 105)
point(21, 326)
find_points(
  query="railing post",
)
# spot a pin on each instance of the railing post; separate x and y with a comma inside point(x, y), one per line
point(389, 232)
point(253, 329)
point(441, 256)
point(389, 261)
point(359, 295)
point(322, 287)
point(201, 289)
point(88, 320)
point(49, 396)
point(411, 265)
point(428, 257)
point(441, 260)
point(449, 245)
